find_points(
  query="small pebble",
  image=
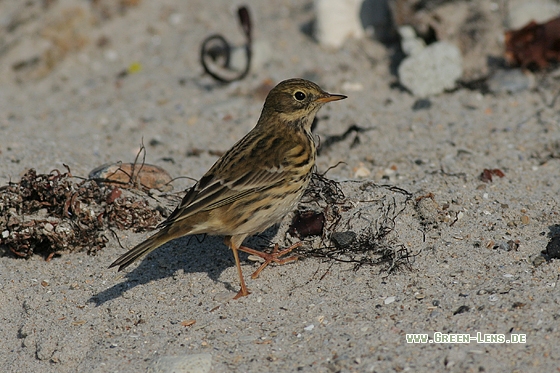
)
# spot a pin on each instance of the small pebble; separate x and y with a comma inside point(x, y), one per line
point(538, 260)
point(199, 363)
point(361, 171)
point(511, 81)
point(421, 104)
point(389, 300)
point(462, 309)
point(343, 239)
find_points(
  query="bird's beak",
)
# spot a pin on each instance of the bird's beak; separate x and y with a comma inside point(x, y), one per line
point(328, 97)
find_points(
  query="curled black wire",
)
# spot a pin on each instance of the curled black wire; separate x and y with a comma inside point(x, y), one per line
point(217, 50)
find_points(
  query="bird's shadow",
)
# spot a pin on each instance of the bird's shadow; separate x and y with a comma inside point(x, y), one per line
point(191, 254)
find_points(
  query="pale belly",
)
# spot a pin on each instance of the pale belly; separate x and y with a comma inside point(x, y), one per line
point(251, 218)
point(263, 219)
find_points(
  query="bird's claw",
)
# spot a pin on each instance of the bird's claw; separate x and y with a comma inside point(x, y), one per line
point(274, 256)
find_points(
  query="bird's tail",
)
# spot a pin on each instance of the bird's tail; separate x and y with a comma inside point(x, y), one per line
point(143, 248)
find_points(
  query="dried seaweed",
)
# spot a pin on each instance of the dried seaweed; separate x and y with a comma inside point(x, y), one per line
point(535, 45)
point(333, 139)
point(53, 213)
point(215, 52)
point(363, 224)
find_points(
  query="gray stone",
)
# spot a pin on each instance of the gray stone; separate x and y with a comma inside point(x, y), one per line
point(432, 70)
point(197, 363)
point(511, 81)
point(343, 239)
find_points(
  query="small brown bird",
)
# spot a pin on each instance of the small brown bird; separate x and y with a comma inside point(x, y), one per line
point(255, 183)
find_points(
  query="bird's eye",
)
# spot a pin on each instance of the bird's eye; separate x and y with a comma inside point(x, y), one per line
point(299, 95)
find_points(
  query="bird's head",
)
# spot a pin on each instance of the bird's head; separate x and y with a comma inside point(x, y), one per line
point(295, 102)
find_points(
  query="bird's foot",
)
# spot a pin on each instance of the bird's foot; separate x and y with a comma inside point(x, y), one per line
point(242, 293)
point(274, 256)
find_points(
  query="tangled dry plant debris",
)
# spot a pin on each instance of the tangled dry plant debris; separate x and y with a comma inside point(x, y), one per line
point(356, 230)
point(53, 213)
point(487, 174)
point(333, 139)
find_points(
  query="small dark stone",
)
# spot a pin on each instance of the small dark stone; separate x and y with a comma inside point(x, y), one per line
point(435, 303)
point(553, 247)
point(343, 239)
point(462, 309)
point(155, 142)
point(538, 260)
point(513, 245)
point(518, 305)
point(422, 104)
point(194, 152)
point(507, 246)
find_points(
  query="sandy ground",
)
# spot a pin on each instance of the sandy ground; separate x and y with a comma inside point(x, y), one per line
point(73, 314)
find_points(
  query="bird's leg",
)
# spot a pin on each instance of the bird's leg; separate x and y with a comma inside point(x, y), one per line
point(274, 256)
point(243, 292)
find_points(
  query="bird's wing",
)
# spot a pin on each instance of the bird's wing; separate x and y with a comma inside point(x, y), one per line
point(216, 188)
